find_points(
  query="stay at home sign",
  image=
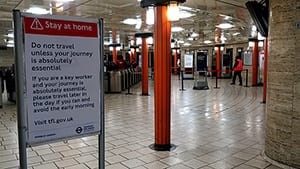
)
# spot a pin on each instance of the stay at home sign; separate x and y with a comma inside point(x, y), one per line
point(62, 62)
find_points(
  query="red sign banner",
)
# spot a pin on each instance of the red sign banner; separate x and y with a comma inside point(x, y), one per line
point(46, 26)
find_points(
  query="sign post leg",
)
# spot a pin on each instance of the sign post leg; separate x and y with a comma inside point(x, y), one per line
point(20, 88)
point(101, 141)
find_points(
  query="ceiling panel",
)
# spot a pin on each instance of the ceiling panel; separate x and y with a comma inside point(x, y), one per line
point(207, 14)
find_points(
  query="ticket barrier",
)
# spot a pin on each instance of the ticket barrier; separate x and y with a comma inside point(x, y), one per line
point(122, 80)
point(126, 78)
point(115, 81)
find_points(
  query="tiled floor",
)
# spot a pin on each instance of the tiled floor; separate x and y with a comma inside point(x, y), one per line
point(212, 129)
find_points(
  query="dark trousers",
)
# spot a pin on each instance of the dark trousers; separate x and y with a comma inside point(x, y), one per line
point(239, 74)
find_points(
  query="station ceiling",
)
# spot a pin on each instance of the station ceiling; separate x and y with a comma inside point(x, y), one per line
point(199, 25)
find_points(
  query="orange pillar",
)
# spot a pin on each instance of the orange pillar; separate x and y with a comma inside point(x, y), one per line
point(254, 63)
point(144, 67)
point(162, 78)
point(265, 69)
point(114, 52)
point(175, 62)
point(218, 61)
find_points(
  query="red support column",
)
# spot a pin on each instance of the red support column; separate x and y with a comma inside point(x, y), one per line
point(218, 61)
point(114, 52)
point(144, 67)
point(175, 62)
point(254, 63)
point(162, 79)
point(265, 69)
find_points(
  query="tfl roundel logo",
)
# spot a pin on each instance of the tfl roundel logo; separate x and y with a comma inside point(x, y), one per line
point(78, 130)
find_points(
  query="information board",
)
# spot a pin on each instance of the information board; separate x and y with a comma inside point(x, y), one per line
point(62, 69)
point(188, 60)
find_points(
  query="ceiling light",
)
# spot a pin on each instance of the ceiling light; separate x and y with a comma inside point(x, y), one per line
point(138, 41)
point(187, 44)
point(37, 10)
point(260, 37)
point(226, 17)
point(10, 45)
point(176, 29)
point(236, 33)
point(150, 16)
point(207, 41)
point(225, 25)
point(180, 41)
point(149, 40)
point(138, 23)
point(130, 21)
point(10, 35)
point(173, 11)
point(193, 35)
point(190, 39)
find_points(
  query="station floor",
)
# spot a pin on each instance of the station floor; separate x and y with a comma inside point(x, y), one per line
point(212, 129)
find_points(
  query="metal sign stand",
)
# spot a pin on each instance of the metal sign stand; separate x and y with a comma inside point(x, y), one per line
point(20, 88)
point(101, 137)
point(20, 79)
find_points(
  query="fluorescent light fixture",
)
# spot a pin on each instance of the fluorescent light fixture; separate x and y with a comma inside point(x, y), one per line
point(150, 40)
point(226, 17)
point(223, 38)
point(225, 26)
point(138, 23)
point(193, 35)
point(10, 41)
point(180, 41)
point(173, 11)
point(207, 41)
point(10, 45)
point(187, 44)
point(260, 37)
point(190, 39)
point(130, 21)
point(251, 44)
point(10, 35)
point(236, 33)
point(150, 16)
point(138, 41)
point(176, 29)
point(37, 10)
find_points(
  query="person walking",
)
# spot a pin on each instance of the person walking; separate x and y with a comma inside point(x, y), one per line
point(237, 68)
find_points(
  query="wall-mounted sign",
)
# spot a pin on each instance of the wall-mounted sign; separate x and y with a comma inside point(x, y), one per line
point(188, 60)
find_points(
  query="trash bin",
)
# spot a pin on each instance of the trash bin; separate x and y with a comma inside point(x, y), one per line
point(115, 81)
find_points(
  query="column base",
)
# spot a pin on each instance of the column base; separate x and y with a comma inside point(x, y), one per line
point(163, 147)
point(145, 94)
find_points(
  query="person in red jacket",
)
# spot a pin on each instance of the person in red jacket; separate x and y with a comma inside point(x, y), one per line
point(237, 68)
